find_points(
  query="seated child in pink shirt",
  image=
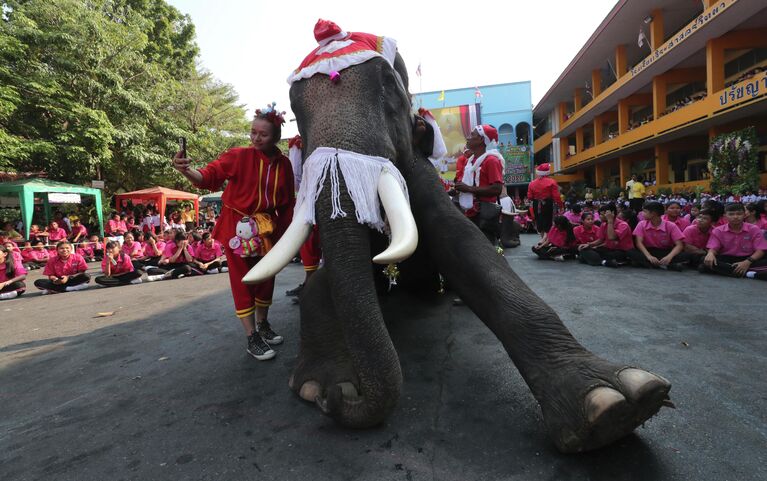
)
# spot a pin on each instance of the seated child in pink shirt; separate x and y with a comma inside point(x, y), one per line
point(35, 257)
point(65, 272)
point(176, 261)
point(574, 214)
point(12, 274)
point(737, 248)
point(558, 242)
point(674, 214)
point(91, 250)
point(586, 232)
point(56, 233)
point(134, 250)
point(659, 243)
point(208, 255)
point(117, 268)
point(612, 243)
point(696, 237)
point(153, 249)
point(693, 215)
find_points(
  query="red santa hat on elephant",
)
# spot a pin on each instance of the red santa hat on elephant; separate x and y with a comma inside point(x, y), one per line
point(339, 50)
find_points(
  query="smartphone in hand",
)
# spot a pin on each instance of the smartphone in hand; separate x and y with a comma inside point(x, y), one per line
point(182, 146)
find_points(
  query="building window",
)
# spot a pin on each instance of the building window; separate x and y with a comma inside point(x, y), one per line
point(505, 135)
point(523, 134)
point(739, 68)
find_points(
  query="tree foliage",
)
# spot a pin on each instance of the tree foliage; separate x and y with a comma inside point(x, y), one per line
point(102, 89)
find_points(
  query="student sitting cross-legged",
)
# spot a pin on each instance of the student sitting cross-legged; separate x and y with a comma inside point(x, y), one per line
point(558, 242)
point(209, 257)
point(34, 254)
point(134, 250)
point(659, 243)
point(176, 261)
point(696, 236)
point(117, 268)
point(737, 248)
point(612, 243)
point(12, 274)
point(65, 271)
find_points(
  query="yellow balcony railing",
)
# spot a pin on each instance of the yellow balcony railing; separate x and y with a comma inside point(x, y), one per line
point(541, 142)
point(726, 100)
point(683, 34)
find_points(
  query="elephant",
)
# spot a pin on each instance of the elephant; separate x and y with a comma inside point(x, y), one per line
point(347, 364)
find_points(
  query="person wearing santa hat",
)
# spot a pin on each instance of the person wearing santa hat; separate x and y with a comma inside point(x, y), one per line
point(544, 192)
point(482, 181)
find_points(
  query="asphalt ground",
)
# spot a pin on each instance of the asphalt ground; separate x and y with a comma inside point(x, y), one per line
point(163, 388)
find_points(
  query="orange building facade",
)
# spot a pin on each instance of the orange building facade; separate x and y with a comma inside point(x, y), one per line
point(620, 108)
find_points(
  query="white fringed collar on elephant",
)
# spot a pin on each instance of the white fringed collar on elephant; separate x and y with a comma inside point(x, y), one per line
point(360, 173)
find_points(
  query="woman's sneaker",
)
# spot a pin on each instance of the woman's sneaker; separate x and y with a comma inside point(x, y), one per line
point(266, 332)
point(258, 348)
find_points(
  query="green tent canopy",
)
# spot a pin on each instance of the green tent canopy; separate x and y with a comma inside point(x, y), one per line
point(27, 189)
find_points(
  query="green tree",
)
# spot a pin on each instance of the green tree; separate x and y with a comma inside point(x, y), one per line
point(104, 88)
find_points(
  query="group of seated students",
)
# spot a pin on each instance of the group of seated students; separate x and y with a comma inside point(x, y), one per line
point(175, 255)
point(729, 240)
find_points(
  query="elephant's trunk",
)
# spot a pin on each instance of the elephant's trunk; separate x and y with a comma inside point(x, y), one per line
point(346, 252)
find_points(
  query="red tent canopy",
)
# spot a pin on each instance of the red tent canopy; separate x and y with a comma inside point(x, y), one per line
point(160, 196)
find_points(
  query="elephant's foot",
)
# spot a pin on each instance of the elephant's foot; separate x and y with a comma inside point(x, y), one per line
point(326, 383)
point(608, 411)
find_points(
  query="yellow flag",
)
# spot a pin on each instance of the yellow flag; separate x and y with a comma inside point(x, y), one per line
point(441, 97)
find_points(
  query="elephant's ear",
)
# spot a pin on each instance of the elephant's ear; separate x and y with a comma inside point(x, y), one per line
point(399, 66)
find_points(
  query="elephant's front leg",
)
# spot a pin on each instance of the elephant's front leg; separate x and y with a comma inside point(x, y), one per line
point(587, 402)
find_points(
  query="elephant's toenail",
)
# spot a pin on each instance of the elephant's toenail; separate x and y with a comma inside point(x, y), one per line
point(638, 383)
point(600, 400)
point(310, 390)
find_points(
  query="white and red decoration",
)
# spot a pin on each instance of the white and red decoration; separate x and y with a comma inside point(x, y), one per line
point(338, 50)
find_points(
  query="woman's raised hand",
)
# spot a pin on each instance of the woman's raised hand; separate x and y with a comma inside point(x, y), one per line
point(180, 163)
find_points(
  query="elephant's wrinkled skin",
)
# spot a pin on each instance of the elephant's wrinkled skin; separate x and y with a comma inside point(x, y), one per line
point(348, 364)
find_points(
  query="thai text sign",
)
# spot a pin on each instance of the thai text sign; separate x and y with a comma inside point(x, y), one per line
point(748, 89)
point(684, 33)
point(517, 160)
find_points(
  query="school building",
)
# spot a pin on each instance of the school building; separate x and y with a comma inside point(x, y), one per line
point(648, 91)
point(507, 107)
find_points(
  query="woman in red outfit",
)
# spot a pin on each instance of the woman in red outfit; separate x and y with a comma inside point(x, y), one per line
point(259, 196)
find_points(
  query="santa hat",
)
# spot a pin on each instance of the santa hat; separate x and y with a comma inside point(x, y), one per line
point(489, 134)
point(326, 31)
point(338, 50)
point(543, 169)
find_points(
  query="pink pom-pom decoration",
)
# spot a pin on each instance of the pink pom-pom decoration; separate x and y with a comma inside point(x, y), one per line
point(335, 77)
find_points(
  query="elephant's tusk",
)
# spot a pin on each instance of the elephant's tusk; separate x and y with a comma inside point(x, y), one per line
point(404, 233)
point(283, 251)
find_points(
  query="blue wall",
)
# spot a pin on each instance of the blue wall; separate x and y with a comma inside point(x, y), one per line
point(502, 106)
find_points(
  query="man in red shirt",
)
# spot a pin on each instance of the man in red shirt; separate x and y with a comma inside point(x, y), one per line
point(544, 192)
point(482, 181)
